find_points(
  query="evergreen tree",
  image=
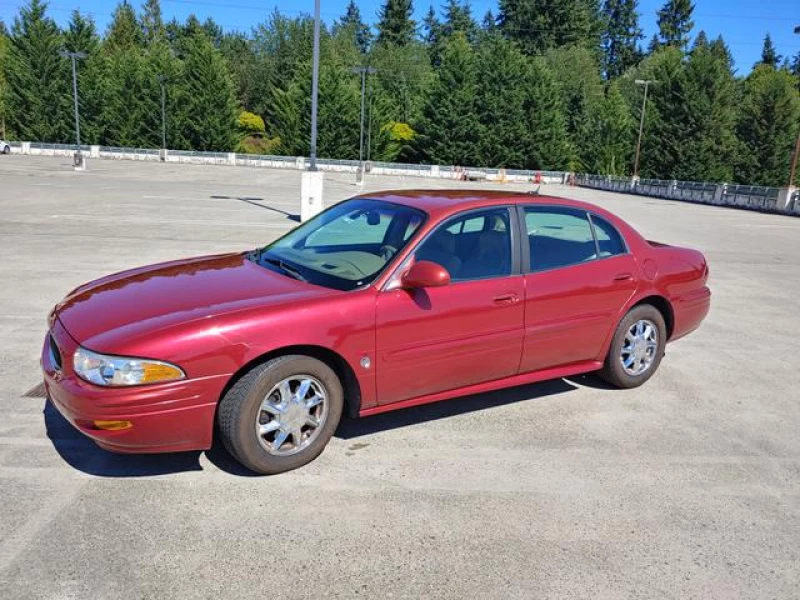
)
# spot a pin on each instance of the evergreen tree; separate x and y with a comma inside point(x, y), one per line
point(550, 147)
point(501, 104)
point(434, 35)
point(710, 117)
point(246, 69)
point(213, 31)
point(666, 126)
point(124, 31)
point(653, 45)
point(769, 56)
point(538, 25)
point(4, 43)
point(720, 49)
point(489, 24)
point(360, 32)
point(577, 73)
point(81, 36)
point(402, 82)
point(209, 101)
point(339, 104)
point(395, 25)
point(675, 22)
point(125, 114)
point(152, 22)
point(458, 17)
point(610, 134)
point(769, 117)
point(450, 131)
point(621, 36)
point(432, 27)
point(701, 41)
point(39, 81)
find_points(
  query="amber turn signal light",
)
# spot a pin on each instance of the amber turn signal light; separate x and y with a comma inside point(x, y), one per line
point(112, 425)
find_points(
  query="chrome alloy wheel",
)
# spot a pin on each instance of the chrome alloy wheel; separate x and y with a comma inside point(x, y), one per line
point(292, 415)
point(639, 347)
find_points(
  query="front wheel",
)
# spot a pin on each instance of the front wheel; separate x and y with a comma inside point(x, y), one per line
point(637, 347)
point(281, 414)
point(6, 149)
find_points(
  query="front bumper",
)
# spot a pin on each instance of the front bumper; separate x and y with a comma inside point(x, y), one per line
point(167, 417)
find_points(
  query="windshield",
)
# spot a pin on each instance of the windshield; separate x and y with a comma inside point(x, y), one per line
point(345, 247)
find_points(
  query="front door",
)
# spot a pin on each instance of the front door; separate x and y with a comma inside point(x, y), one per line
point(467, 332)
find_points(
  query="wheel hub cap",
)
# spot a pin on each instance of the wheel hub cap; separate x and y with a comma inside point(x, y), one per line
point(639, 347)
point(292, 415)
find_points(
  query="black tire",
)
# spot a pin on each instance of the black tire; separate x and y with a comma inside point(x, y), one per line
point(6, 149)
point(613, 371)
point(239, 412)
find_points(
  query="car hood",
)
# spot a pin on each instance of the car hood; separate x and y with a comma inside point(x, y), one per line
point(142, 301)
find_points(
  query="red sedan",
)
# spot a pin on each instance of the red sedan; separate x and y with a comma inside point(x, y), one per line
point(381, 302)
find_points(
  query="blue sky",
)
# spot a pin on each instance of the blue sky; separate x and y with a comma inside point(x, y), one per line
point(743, 23)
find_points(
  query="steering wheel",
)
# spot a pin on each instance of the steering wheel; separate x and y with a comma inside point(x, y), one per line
point(387, 251)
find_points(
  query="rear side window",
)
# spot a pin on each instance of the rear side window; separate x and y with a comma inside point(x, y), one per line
point(609, 240)
point(558, 237)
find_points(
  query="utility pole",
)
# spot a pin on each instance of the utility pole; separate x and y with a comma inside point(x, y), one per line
point(314, 90)
point(73, 56)
point(162, 80)
point(363, 71)
point(793, 168)
point(646, 83)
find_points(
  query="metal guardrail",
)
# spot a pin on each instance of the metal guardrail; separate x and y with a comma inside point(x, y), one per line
point(767, 199)
point(44, 146)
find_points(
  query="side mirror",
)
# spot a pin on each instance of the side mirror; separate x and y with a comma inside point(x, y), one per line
point(425, 273)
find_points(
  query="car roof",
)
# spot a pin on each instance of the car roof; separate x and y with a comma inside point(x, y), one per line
point(439, 203)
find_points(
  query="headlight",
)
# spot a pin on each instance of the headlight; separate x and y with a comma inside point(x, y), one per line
point(121, 371)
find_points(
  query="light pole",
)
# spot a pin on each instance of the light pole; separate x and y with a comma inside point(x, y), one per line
point(314, 90)
point(646, 83)
point(369, 129)
point(73, 56)
point(162, 80)
point(364, 71)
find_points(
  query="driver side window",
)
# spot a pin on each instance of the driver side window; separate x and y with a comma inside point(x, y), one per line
point(475, 246)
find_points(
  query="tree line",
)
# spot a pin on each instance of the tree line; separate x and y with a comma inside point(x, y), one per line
point(538, 85)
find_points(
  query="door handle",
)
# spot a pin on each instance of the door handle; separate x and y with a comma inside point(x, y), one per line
point(623, 276)
point(506, 299)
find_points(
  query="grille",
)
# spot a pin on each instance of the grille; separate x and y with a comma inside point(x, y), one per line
point(55, 353)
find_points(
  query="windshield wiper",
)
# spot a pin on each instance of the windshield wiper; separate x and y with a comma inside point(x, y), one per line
point(289, 270)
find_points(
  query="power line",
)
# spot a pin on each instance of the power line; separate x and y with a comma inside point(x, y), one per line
point(564, 34)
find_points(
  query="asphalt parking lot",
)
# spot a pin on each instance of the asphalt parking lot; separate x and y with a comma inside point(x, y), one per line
point(688, 487)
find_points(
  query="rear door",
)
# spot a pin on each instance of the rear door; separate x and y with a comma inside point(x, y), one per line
point(579, 275)
point(468, 332)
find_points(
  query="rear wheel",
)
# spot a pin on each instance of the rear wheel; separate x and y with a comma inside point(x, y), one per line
point(281, 415)
point(637, 347)
point(6, 149)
